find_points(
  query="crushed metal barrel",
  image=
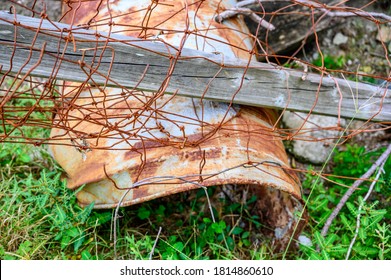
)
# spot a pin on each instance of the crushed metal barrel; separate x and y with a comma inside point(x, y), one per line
point(126, 146)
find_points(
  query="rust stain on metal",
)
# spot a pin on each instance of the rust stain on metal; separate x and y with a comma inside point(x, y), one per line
point(172, 144)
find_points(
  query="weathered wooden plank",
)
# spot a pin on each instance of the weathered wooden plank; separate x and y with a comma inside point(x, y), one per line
point(86, 56)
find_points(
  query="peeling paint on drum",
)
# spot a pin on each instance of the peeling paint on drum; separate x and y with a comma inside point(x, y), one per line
point(152, 145)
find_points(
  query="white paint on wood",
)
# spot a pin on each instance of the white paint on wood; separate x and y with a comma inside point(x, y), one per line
point(280, 101)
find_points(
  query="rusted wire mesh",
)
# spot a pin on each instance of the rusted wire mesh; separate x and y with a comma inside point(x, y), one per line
point(128, 144)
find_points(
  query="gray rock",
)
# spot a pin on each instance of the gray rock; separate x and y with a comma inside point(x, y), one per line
point(384, 34)
point(340, 39)
point(304, 240)
point(315, 140)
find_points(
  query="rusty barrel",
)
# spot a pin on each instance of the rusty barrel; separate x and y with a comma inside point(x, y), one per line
point(126, 146)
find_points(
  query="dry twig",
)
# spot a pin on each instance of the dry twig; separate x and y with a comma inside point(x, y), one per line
point(360, 14)
point(155, 243)
point(238, 10)
point(351, 13)
point(324, 8)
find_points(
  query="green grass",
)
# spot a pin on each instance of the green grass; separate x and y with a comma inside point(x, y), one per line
point(374, 233)
point(331, 62)
point(40, 218)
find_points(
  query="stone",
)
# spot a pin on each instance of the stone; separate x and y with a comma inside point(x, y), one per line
point(384, 34)
point(316, 138)
point(304, 240)
point(340, 39)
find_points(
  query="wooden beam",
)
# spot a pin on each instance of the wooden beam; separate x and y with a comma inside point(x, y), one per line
point(49, 49)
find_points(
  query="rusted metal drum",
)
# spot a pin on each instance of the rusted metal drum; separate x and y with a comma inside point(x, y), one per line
point(133, 146)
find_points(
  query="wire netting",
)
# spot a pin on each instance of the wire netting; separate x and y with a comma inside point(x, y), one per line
point(118, 126)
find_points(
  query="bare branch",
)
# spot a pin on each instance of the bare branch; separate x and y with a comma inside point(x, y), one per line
point(353, 13)
point(247, 12)
point(324, 8)
point(360, 14)
point(155, 243)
